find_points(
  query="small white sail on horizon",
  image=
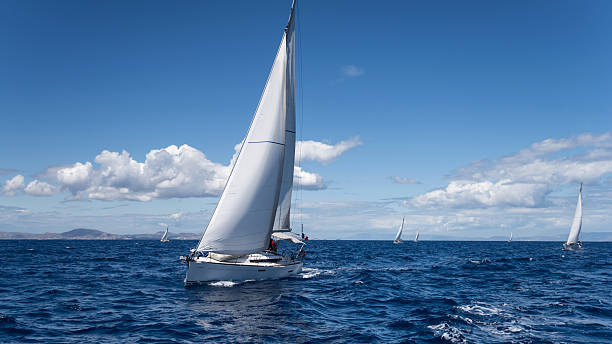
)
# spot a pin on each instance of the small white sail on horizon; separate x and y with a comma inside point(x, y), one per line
point(398, 236)
point(573, 237)
point(165, 236)
point(510, 240)
point(416, 238)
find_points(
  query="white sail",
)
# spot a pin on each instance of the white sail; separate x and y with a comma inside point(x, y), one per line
point(398, 236)
point(283, 212)
point(510, 237)
point(243, 219)
point(165, 236)
point(577, 224)
point(416, 238)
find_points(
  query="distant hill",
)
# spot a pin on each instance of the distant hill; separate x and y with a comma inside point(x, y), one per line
point(94, 234)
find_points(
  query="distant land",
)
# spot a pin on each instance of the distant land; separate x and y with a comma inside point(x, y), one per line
point(94, 234)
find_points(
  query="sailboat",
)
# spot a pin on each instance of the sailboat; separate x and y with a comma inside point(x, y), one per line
point(510, 240)
point(416, 238)
point(165, 236)
point(255, 204)
point(572, 239)
point(398, 236)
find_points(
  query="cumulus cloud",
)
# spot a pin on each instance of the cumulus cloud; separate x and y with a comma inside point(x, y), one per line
point(352, 71)
point(38, 188)
point(404, 180)
point(13, 185)
point(485, 194)
point(526, 178)
point(171, 172)
point(323, 152)
point(307, 180)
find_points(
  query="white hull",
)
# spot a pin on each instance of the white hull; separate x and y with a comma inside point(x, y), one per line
point(164, 240)
point(572, 247)
point(204, 269)
point(400, 241)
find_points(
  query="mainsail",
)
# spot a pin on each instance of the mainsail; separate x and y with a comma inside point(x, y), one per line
point(577, 224)
point(244, 217)
point(416, 238)
point(399, 231)
point(283, 212)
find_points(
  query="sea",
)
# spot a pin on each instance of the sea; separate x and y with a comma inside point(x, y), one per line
point(59, 291)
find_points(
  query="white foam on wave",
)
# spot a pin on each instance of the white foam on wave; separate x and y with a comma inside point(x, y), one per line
point(465, 319)
point(308, 273)
point(447, 332)
point(223, 284)
point(479, 309)
point(514, 329)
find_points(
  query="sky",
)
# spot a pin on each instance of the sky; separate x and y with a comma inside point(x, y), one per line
point(472, 119)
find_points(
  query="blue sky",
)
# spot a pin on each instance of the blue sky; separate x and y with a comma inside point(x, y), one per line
point(436, 93)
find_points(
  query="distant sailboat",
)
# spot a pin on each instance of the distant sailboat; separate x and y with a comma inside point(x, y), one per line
point(255, 203)
point(573, 240)
point(165, 236)
point(398, 236)
point(510, 240)
point(416, 238)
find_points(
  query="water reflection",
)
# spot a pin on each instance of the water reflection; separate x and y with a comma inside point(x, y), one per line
point(249, 311)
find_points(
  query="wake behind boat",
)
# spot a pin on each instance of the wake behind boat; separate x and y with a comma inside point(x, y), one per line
point(398, 236)
point(256, 201)
point(573, 241)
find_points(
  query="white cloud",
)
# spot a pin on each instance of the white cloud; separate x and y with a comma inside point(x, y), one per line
point(484, 194)
point(307, 180)
point(38, 188)
point(176, 216)
point(166, 173)
point(13, 185)
point(352, 71)
point(404, 180)
point(323, 152)
point(528, 177)
point(171, 172)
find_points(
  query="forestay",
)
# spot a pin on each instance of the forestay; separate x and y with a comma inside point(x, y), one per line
point(243, 219)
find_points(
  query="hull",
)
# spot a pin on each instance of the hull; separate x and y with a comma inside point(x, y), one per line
point(207, 270)
point(572, 247)
point(398, 241)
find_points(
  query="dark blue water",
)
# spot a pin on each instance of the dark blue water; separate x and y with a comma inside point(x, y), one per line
point(351, 291)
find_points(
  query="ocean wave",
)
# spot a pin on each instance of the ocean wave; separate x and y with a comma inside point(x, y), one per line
point(447, 333)
point(228, 284)
point(308, 273)
point(480, 309)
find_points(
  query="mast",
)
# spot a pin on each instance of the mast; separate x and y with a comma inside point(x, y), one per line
point(245, 215)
